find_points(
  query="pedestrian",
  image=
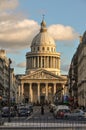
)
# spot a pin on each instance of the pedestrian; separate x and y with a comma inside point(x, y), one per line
point(42, 110)
point(15, 107)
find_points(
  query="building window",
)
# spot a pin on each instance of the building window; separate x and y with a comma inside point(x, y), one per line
point(38, 48)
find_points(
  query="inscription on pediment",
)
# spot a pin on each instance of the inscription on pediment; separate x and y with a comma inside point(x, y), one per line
point(42, 75)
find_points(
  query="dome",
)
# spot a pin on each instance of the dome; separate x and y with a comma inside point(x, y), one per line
point(43, 38)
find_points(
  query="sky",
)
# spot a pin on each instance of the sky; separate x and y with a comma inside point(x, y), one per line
point(20, 22)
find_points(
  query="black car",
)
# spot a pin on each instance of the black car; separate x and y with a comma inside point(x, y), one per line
point(30, 108)
point(24, 112)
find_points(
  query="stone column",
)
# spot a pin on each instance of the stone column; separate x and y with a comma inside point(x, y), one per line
point(30, 94)
point(19, 95)
point(52, 61)
point(63, 91)
point(58, 63)
point(30, 62)
point(33, 65)
point(46, 91)
point(44, 62)
point(34, 62)
point(54, 88)
point(39, 92)
point(47, 62)
point(22, 92)
point(19, 90)
point(38, 62)
point(41, 61)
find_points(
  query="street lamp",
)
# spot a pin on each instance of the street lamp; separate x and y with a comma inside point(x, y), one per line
point(9, 91)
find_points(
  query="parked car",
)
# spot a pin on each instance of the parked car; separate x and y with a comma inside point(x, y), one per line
point(30, 108)
point(5, 112)
point(60, 110)
point(84, 112)
point(77, 113)
point(23, 111)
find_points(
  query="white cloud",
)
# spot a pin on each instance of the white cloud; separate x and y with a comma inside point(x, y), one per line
point(17, 34)
point(21, 65)
point(8, 4)
point(61, 32)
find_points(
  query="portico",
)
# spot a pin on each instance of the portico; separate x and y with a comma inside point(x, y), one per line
point(40, 90)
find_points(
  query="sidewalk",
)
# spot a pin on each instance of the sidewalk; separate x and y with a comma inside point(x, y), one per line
point(44, 125)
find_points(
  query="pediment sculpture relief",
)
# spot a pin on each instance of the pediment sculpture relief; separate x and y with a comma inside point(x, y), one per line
point(42, 75)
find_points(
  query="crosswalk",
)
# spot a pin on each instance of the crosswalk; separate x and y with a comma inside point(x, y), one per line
point(38, 116)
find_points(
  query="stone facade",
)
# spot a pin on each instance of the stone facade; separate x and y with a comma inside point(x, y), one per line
point(5, 79)
point(42, 79)
point(82, 72)
point(77, 73)
point(4, 74)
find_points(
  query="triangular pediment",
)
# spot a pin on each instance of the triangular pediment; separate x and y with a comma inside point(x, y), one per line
point(41, 74)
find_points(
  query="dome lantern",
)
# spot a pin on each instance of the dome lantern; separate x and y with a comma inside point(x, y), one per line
point(43, 26)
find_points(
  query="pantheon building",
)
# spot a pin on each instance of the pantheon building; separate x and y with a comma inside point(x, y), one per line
point(42, 80)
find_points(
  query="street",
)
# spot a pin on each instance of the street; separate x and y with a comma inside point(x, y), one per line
point(36, 116)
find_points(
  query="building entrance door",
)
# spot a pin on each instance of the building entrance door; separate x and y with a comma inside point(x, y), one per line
point(42, 99)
